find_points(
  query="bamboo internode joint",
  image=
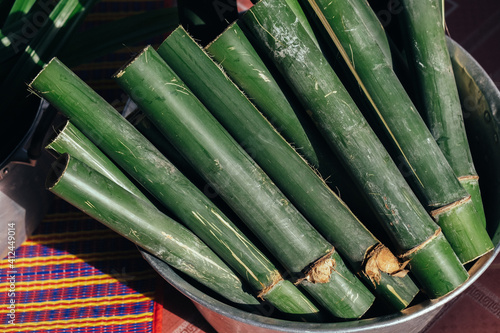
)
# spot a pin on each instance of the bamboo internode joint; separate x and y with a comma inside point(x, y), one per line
point(451, 206)
point(468, 178)
point(417, 248)
point(321, 270)
point(276, 278)
point(381, 260)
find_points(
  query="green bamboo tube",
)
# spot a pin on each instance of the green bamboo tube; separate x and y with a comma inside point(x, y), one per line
point(154, 135)
point(241, 62)
point(151, 132)
point(373, 24)
point(295, 6)
point(68, 139)
point(428, 171)
point(233, 51)
point(299, 13)
point(138, 157)
point(438, 100)
point(340, 121)
point(291, 173)
point(243, 65)
point(479, 106)
point(143, 224)
point(247, 190)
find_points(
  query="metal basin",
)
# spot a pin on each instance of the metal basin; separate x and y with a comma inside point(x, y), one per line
point(481, 101)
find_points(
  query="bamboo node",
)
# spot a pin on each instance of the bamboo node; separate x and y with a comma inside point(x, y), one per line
point(468, 178)
point(380, 259)
point(421, 246)
point(276, 278)
point(453, 205)
point(322, 269)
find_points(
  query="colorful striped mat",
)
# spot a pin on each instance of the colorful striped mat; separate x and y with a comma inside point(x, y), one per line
point(75, 275)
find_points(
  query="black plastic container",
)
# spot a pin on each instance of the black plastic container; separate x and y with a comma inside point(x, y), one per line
point(24, 200)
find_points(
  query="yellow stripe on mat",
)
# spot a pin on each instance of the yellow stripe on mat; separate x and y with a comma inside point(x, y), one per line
point(78, 281)
point(83, 302)
point(69, 259)
point(74, 323)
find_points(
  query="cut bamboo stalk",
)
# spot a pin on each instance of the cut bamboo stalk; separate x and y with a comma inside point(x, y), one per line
point(68, 139)
point(479, 104)
point(373, 24)
point(295, 6)
point(142, 223)
point(151, 132)
point(138, 157)
point(244, 66)
point(427, 169)
point(233, 51)
point(223, 163)
point(342, 124)
point(438, 99)
point(291, 173)
point(299, 13)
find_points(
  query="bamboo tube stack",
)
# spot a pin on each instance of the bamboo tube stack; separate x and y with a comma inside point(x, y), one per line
point(262, 117)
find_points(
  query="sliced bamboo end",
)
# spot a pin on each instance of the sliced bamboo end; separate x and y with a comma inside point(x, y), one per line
point(436, 266)
point(55, 135)
point(120, 72)
point(464, 229)
point(30, 85)
point(56, 171)
point(229, 27)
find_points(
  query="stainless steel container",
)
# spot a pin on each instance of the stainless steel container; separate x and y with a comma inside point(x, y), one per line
point(481, 101)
